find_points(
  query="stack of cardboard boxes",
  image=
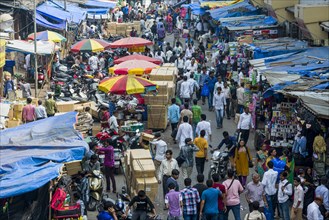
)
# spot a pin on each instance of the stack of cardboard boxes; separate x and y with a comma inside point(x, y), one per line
point(140, 173)
point(165, 78)
point(123, 28)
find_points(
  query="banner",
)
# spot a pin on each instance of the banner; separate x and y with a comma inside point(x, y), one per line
point(2, 52)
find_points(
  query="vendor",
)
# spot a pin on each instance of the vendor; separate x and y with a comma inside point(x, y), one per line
point(113, 122)
point(104, 118)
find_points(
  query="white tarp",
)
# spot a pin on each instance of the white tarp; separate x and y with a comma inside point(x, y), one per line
point(280, 77)
point(43, 47)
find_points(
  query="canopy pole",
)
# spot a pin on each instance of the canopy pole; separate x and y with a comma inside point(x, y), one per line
point(35, 51)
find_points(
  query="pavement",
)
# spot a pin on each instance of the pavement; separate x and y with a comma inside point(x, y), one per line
point(228, 125)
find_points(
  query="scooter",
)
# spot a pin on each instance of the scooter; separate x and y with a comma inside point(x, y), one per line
point(220, 162)
point(41, 77)
point(96, 187)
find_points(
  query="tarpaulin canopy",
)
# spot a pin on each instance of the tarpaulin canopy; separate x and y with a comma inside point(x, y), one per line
point(54, 12)
point(234, 10)
point(74, 7)
point(309, 60)
point(270, 91)
point(45, 23)
point(215, 4)
point(43, 47)
point(99, 4)
point(278, 46)
point(32, 154)
point(137, 57)
point(249, 22)
point(195, 8)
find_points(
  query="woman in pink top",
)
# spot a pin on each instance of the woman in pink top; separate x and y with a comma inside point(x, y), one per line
point(109, 164)
point(233, 190)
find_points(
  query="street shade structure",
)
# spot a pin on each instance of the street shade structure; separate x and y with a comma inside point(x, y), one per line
point(48, 36)
point(130, 42)
point(136, 67)
point(89, 45)
point(137, 57)
point(126, 84)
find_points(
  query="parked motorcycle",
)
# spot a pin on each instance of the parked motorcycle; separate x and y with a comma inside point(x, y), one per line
point(96, 187)
point(41, 77)
point(220, 162)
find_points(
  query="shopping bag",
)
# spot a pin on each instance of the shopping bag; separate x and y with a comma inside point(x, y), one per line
point(205, 90)
point(268, 214)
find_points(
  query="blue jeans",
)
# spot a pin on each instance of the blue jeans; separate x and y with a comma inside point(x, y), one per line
point(210, 98)
point(284, 210)
point(210, 216)
point(221, 215)
point(236, 212)
point(271, 205)
point(219, 117)
point(190, 217)
point(194, 128)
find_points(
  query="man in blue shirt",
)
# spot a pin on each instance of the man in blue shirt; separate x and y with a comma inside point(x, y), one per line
point(211, 81)
point(108, 213)
point(230, 144)
point(173, 117)
point(209, 202)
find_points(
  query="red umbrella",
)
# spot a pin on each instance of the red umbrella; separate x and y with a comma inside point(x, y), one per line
point(137, 57)
point(131, 64)
point(130, 42)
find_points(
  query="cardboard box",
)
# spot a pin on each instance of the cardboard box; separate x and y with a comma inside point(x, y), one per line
point(148, 184)
point(139, 154)
point(35, 101)
point(18, 115)
point(157, 122)
point(158, 99)
point(165, 87)
point(80, 106)
point(73, 167)
point(162, 74)
point(11, 114)
point(96, 129)
point(18, 107)
point(147, 137)
point(143, 168)
point(13, 123)
point(65, 106)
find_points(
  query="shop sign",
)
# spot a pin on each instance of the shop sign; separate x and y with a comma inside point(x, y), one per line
point(2, 52)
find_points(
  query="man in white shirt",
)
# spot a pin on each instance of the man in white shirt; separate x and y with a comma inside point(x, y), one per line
point(93, 62)
point(178, 49)
point(194, 86)
point(189, 51)
point(180, 64)
point(40, 111)
point(219, 83)
point(269, 180)
point(192, 66)
point(184, 131)
point(284, 191)
point(322, 192)
point(165, 170)
point(240, 93)
point(297, 206)
point(245, 122)
point(185, 92)
point(313, 209)
point(204, 125)
point(113, 122)
point(219, 103)
point(160, 151)
point(227, 93)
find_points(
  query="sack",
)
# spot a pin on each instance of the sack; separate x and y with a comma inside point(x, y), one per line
point(205, 90)
point(58, 199)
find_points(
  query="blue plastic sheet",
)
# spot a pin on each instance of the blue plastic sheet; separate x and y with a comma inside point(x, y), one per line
point(31, 154)
point(195, 8)
point(233, 11)
point(321, 86)
point(270, 91)
point(45, 23)
point(261, 21)
point(99, 4)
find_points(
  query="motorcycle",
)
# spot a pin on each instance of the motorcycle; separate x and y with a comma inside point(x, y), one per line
point(96, 187)
point(220, 162)
point(41, 77)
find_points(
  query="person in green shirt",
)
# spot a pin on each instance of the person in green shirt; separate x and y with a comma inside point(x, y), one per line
point(197, 76)
point(196, 118)
point(50, 105)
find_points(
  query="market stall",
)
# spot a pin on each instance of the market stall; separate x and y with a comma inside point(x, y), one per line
point(134, 67)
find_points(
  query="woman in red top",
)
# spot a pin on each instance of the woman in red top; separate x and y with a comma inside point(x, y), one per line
point(105, 118)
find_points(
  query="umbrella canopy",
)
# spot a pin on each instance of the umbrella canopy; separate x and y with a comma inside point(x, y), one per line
point(133, 67)
point(48, 36)
point(137, 57)
point(130, 42)
point(88, 45)
point(126, 84)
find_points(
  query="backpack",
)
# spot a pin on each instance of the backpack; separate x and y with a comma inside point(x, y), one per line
point(261, 214)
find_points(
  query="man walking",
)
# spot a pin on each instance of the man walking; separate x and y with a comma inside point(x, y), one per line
point(209, 202)
point(160, 151)
point(28, 114)
point(174, 202)
point(222, 199)
point(255, 193)
point(219, 105)
point(51, 107)
point(202, 155)
point(40, 111)
point(173, 179)
point(297, 206)
point(269, 180)
point(165, 170)
point(200, 186)
point(227, 93)
point(185, 91)
point(245, 122)
point(191, 198)
point(284, 191)
point(184, 131)
point(196, 118)
point(187, 153)
point(255, 214)
point(241, 98)
point(323, 192)
point(173, 117)
point(204, 125)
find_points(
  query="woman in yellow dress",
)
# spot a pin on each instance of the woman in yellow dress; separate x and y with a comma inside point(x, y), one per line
point(241, 160)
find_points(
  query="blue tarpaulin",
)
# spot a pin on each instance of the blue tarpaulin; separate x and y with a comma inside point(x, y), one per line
point(45, 23)
point(31, 154)
point(99, 4)
point(270, 91)
point(248, 22)
point(235, 10)
point(321, 86)
point(195, 8)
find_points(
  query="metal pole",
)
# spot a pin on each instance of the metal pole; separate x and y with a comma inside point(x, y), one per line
point(35, 51)
point(64, 5)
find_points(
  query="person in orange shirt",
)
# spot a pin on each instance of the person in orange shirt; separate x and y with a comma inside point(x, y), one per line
point(201, 156)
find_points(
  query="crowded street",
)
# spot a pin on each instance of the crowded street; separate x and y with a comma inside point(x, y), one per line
point(175, 110)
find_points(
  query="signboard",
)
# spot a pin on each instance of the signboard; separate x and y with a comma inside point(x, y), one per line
point(2, 52)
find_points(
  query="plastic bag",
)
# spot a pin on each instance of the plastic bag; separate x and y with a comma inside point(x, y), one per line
point(205, 90)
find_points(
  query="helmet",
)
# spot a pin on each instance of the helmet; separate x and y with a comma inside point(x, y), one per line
point(119, 206)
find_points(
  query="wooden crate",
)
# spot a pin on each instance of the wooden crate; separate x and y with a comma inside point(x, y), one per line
point(65, 106)
point(166, 87)
point(162, 74)
point(158, 99)
point(157, 117)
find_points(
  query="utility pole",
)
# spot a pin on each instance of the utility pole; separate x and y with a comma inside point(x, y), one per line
point(64, 5)
point(35, 50)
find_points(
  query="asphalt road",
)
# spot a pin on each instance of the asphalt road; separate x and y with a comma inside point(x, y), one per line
point(228, 125)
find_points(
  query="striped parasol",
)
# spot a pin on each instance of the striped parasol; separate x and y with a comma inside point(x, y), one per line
point(48, 36)
point(89, 45)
